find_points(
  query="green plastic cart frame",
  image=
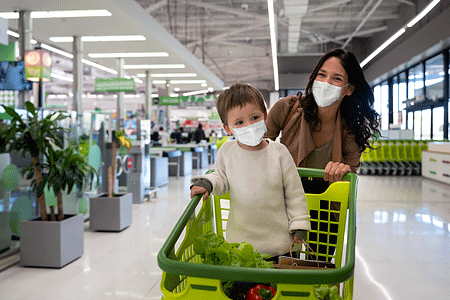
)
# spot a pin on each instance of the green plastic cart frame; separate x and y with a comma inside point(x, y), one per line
point(185, 277)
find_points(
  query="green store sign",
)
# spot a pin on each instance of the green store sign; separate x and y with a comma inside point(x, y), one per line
point(167, 100)
point(114, 85)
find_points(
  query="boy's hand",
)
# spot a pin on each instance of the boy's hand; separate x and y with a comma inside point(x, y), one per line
point(300, 235)
point(297, 240)
point(198, 190)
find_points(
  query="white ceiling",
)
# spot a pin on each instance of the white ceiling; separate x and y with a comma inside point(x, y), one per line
point(231, 37)
point(223, 41)
point(128, 18)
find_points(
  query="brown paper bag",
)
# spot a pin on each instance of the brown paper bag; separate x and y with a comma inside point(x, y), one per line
point(286, 262)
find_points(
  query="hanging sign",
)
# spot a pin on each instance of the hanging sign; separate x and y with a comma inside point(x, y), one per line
point(167, 100)
point(114, 85)
point(38, 64)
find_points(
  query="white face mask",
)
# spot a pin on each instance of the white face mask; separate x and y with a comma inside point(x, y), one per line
point(326, 94)
point(250, 135)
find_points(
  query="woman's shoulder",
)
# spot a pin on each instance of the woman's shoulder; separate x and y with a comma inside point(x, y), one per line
point(283, 106)
point(288, 101)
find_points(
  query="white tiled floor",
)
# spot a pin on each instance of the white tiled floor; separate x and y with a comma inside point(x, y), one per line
point(403, 248)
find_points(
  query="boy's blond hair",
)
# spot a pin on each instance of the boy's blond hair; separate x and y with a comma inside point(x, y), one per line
point(239, 94)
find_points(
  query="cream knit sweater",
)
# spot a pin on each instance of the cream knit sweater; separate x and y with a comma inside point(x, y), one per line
point(267, 197)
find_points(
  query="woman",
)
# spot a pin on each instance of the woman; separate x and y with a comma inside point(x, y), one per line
point(330, 126)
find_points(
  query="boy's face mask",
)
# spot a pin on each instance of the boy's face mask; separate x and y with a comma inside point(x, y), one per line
point(326, 94)
point(250, 135)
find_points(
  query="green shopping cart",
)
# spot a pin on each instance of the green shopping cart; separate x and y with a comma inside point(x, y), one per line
point(185, 277)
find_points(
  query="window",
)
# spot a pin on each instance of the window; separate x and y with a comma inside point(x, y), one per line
point(384, 99)
point(410, 120)
point(397, 119)
point(402, 96)
point(426, 124)
point(415, 82)
point(438, 123)
point(434, 77)
point(417, 125)
point(377, 100)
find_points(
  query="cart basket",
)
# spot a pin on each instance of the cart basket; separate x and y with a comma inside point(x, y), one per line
point(185, 277)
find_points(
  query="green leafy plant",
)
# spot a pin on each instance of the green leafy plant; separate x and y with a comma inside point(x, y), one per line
point(66, 169)
point(42, 139)
point(84, 147)
point(327, 292)
point(214, 250)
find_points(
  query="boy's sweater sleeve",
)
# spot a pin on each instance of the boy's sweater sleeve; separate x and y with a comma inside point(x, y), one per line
point(218, 178)
point(203, 182)
point(296, 205)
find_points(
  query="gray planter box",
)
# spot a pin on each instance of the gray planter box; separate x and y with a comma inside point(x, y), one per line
point(51, 244)
point(110, 214)
point(5, 231)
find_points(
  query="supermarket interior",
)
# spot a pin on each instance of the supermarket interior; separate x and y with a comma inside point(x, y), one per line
point(108, 110)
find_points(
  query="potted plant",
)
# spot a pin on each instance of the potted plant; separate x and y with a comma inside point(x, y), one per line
point(112, 211)
point(5, 233)
point(48, 240)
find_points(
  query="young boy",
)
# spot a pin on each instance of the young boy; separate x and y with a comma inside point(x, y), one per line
point(268, 205)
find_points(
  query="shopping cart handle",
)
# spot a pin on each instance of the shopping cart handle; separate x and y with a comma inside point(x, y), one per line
point(319, 173)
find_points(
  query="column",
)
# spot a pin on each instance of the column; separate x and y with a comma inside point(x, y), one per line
point(26, 32)
point(168, 92)
point(77, 87)
point(148, 95)
point(120, 104)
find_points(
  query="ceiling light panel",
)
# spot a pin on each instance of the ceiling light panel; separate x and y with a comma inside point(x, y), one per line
point(172, 75)
point(423, 13)
point(12, 33)
point(105, 38)
point(60, 14)
point(187, 81)
point(156, 66)
point(132, 54)
point(93, 64)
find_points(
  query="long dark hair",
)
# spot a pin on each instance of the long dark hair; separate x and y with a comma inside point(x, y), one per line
point(356, 110)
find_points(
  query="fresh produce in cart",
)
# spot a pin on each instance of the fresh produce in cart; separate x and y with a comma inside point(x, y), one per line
point(261, 292)
point(327, 292)
point(214, 250)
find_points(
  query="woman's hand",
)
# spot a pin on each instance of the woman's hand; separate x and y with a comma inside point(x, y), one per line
point(334, 171)
point(198, 190)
